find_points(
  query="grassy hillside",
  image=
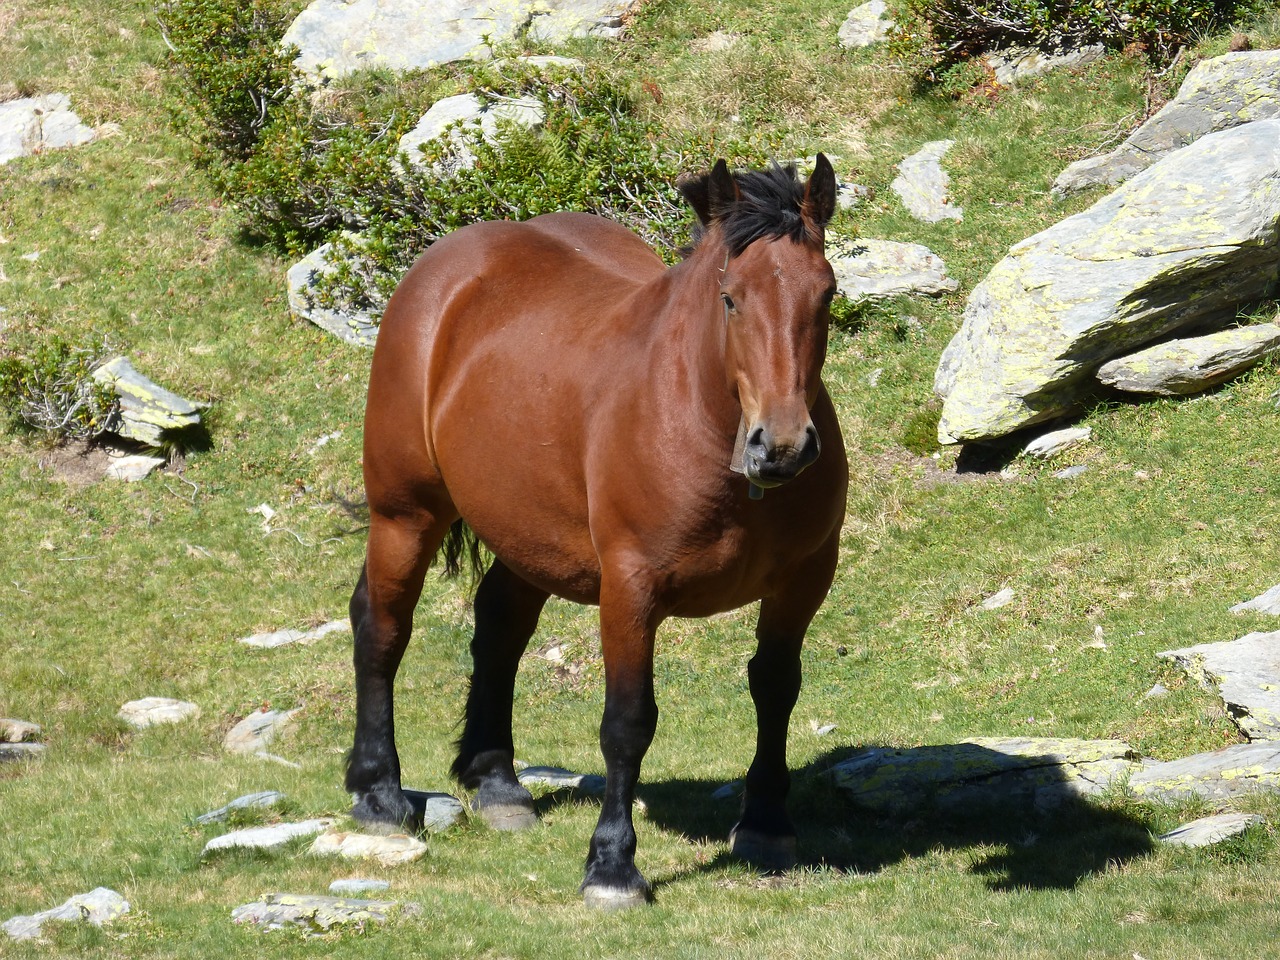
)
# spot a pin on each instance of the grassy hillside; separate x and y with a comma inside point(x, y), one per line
point(111, 592)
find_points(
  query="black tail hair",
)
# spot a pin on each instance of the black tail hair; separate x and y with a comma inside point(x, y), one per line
point(461, 546)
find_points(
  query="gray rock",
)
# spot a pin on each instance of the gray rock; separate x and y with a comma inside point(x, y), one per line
point(20, 751)
point(266, 838)
point(1220, 93)
point(555, 21)
point(1218, 775)
point(279, 638)
point(464, 114)
point(256, 731)
point(1015, 64)
point(1050, 445)
point(866, 25)
point(557, 778)
point(151, 711)
point(1267, 602)
point(355, 886)
point(437, 811)
point(131, 469)
point(36, 124)
point(1210, 830)
point(314, 914)
point(147, 410)
point(354, 326)
point(1246, 673)
point(922, 184)
point(1068, 473)
point(729, 791)
point(1001, 598)
point(1181, 245)
point(876, 269)
point(1157, 690)
point(387, 850)
point(1183, 367)
point(250, 801)
point(97, 907)
point(849, 195)
point(18, 731)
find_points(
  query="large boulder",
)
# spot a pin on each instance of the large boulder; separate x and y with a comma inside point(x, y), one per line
point(1181, 245)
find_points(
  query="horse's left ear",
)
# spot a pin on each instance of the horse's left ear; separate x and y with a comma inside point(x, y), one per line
point(820, 192)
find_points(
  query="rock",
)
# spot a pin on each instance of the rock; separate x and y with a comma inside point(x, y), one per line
point(250, 801)
point(18, 731)
point(254, 732)
point(313, 913)
point(279, 638)
point(1210, 830)
point(1247, 674)
point(21, 751)
point(716, 42)
point(358, 327)
point(1268, 602)
point(1050, 445)
point(1038, 772)
point(335, 37)
point(866, 25)
point(1157, 690)
point(437, 811)
point(151, 711)
point(467, 114)
point(922, 184)
point(1183, 367)
point(131, 469)
point(1181, 245)
point(729, 791)
point(1015, 64)
point(147, 410)
point(876, 269)
point(1001, 598)
point(849, 195)
point(387, 850)
point(354, 887)
point(1068, 473)
point(1218, 94)
point(36, 124)
point(97, 907)
point(266, 838)
point(1233, 771)
point(557, 778)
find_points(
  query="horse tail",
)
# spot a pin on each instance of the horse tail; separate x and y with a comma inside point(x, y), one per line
point(462, 547)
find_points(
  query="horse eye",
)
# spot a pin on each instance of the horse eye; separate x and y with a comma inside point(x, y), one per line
point(728, 302)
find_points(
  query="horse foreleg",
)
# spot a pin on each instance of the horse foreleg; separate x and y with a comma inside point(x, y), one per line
point(382, 619)
point(507, 610)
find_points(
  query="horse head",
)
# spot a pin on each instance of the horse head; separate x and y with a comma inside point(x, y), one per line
point(775, 289)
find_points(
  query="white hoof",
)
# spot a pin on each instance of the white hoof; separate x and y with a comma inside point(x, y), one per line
point(613, 898)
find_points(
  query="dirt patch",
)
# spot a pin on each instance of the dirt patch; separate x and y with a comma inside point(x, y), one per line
point(76, 464)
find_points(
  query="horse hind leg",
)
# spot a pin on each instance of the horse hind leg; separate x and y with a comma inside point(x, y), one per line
point(506, 610)
point(399, 552)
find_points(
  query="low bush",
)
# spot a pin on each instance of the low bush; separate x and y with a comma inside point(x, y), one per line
point(46, 384)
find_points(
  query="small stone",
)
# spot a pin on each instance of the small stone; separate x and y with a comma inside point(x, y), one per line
point(1051, 444)
point(251, 801)
point(1210, 830)
point(730, 791)
point(254, 732)
point(1070, 472)
point(437, 811)
point(1015, 64)
point(131, 469)
point(354, 887)
point(557, 778)
point(99, 906)
point(18, 731)
point(387, 850)
point(876, 269)
point(150, 711)
point(266, 838)
point(313, 913)
point(1000, 598)
point(849, 195)
point(1268, 602)
point(922, 184)
point(279, 638)
point(20, 751)
point(1192, 365)
point(1158, 690)
point(865, 25)
point(821, 729)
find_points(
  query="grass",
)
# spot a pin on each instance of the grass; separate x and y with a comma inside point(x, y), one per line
point(113, 592)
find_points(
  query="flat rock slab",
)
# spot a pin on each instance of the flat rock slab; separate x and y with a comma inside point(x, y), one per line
point(865, 25)
point(874, 269)
point(279, 638)
point(557, 778)
point(18, 731)
point(147, 410)
point(1183, 244)
point(133, 467)
point(437, 811)
point(1013, 65)
point(1266, 602)
point(1207, 831)
point(261, 800)
point(257, 730)
point(97, 907)
point(1180, 368)
point(315, 914)
point(20, 751)
point(1217, 94)
point(357, 327)
point(922, 184)
point(1051, 444)
point(36, 124)
point(152, 711)
point(266, 838)
point(1218, 775)
point(356, 886)
point(1037, 772)
point(387, 850)
point(1246, 673)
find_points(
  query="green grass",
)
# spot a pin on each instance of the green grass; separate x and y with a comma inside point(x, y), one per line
point(113, 592)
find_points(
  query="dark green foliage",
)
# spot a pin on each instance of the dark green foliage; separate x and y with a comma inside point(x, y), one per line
point(920, 434)
point(46, 384)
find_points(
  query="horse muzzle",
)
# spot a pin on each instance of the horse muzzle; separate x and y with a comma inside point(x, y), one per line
point(770, 461)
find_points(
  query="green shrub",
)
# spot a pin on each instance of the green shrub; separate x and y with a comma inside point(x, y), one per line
point(46, 384)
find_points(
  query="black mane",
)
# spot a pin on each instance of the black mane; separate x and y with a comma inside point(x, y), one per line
point(769, 205)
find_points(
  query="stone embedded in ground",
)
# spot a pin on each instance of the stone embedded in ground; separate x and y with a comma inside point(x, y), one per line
point(1210, 830)
point(18, 731)
point(728, 791)
point(313, 913)
point(99, 906)
point(266, 838)
point(1050, 445)
point(1070, 473)
point(1015, 64)
point(280, 638)
point(717, 41)
point(250, 801)
point(1233, 771)
point(1267, 602)
point(131, 469)
point(875, 269)
point(557, 778)
point(555, 21)
point(866, 25)
point(1001, 598)
point(35, 124)
point(922, 184)
point(358, 327)
point(147, 410)
point(462, 115)
point(437, 811)
point(21, 751)
point(1246, 673)
point(1217, 94)
point(150, 711)
point(257, 730)
point(387, 850)
point(1035, 772)
point(355, 886)
point(1181, 245)
point(1179, 368)
point(849, 195)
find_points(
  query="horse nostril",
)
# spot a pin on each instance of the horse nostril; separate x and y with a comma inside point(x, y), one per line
point(812, 445)
point(761, 444)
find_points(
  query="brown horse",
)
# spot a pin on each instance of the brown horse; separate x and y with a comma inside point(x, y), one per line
point(554, 385)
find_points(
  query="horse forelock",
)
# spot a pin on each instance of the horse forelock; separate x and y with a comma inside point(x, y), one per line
point(771, 204)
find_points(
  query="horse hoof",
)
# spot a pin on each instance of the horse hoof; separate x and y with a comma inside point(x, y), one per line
point(766, 851)
point(384, 816)
point(608, 899)
point(508, 816)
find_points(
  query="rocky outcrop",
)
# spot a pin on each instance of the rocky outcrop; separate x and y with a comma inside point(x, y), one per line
point(354, 326)
point(866, 25)
point(1223, 92)
point(874, 269)
point(1219, 775)
point(97, 907)
point(466, 114)
point(1182, 367)
point(1246, 674)
point(1210, 830)
point(1013, 65)
point(36, 124)
point(923, 186)
point(1179, 246)
point(314, 914)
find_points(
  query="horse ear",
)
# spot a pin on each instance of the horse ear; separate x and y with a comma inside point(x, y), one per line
point(820, 192)
point(710, 193)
